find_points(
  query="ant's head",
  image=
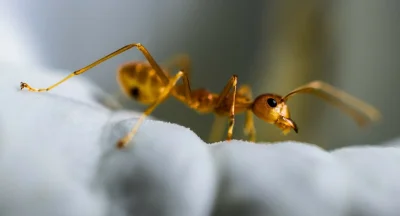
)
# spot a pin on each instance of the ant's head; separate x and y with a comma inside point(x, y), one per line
point(272, 108)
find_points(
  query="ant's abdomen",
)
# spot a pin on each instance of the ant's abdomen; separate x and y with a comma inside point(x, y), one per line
point(139, 81)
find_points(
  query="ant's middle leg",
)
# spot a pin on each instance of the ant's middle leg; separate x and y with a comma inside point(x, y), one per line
point(249, 128)
point(232, 83)
point(217, 129)
point(178, 62)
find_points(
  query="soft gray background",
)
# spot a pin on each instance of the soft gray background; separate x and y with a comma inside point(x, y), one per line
point(273, 45)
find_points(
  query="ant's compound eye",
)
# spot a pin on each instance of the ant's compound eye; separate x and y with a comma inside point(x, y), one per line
point(272, 102)
point(134, 92)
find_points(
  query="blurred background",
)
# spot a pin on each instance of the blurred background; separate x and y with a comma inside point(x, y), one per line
point(274, 46)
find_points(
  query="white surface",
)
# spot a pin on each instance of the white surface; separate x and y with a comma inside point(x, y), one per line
point(16, 43)
point(57, 157)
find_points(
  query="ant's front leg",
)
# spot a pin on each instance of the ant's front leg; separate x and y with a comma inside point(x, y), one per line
point(249, 128)
point(220, 103)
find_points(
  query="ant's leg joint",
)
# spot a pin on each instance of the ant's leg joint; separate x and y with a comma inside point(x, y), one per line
point(235, 78)
point(139, 46)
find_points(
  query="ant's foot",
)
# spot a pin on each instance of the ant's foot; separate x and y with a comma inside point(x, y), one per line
point(24, 85)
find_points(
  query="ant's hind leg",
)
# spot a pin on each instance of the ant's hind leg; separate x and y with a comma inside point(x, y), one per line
point(139, 46)
point(222, 97)
point(122, 143)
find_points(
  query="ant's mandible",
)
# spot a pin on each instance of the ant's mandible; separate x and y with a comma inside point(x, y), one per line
point(150, 84)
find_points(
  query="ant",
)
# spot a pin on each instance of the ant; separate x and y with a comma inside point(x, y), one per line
point(150, 84)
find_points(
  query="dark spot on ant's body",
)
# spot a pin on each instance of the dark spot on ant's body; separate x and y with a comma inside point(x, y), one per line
point(134, 92)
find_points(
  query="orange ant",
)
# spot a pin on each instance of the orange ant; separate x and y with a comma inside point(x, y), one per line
point(149, 84)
